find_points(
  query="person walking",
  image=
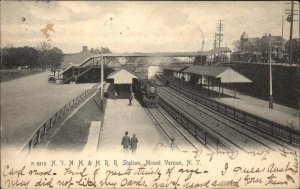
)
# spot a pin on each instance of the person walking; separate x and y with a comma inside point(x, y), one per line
point(134, 142)
point(130, 99)
point(125, 141)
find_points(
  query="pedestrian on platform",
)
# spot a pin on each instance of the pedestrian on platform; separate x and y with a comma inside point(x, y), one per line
point(167, 83)
point(134, 142)
point(125, 141)
point(130, 99)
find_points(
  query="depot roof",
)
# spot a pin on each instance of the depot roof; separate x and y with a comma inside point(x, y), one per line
point(226, 74)
point(122, 76)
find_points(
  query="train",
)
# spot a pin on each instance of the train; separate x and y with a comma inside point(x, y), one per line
point(146, 92)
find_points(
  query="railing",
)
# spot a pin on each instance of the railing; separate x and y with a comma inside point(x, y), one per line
point(49, 125)
point(272, 128)
point(193, 126)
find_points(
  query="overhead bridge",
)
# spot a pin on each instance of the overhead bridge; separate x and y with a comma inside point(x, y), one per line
point(89, 69)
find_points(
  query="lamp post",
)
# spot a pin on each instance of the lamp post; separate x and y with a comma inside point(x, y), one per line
point(101, 82)
point(270, 79)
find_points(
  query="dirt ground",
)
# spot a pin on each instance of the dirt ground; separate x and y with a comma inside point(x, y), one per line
point(27, 102)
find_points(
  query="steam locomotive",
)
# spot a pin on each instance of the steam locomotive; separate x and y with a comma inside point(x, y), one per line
point(146, 91)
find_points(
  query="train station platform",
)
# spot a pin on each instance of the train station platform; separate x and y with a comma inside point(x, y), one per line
point(120, 117)
point(281, 114)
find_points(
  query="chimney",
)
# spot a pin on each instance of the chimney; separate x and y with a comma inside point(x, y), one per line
point(84, 48)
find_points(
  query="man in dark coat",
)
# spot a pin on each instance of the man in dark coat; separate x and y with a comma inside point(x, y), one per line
point(125, 141)
point(134, 142)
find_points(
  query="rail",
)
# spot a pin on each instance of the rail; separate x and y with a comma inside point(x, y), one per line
point(45, 127)
point(269, 127)
point(193, 126)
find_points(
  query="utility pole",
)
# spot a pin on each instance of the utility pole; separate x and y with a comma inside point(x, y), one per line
point(282, 46)
point(215, 41)
point(290, 18)
point(219, 28)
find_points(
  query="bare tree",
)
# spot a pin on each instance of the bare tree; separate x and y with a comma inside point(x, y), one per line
point(43, 46)
point(237, 45)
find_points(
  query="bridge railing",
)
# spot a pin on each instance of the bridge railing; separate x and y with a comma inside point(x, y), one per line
point(194, 127)
point(269, 127)
point(49, 126)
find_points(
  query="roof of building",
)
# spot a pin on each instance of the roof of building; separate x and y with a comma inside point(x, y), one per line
point(244, 36)
point(226, 74)
point(122, 76)
point(273, 38)
point(205, 70)
point(253, 40)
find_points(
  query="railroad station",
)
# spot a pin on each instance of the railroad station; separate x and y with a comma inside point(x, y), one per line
point(160, 94)
point(150, 94)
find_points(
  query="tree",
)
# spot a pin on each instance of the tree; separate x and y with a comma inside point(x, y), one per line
point(49, 57)
point(97, 51)
point(237, 45)
point(21, 56)
point(105, 50)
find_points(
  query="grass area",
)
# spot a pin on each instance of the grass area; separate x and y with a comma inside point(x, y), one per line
point(73, 134)
point(15, 74)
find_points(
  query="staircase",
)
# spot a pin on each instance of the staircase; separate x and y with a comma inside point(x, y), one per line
point(79, 72)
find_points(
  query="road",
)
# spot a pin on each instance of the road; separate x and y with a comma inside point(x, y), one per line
point(28, 101)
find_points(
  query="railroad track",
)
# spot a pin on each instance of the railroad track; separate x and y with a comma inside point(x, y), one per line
point(183, 141)
point(229, 130)
point(268, 128)
point(247, 128)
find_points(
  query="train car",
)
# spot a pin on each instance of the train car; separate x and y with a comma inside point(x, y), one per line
point(147, 92)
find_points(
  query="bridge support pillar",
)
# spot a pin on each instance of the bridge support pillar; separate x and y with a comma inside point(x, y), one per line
point(219, 92)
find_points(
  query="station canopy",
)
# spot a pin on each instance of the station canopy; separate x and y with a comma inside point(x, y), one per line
point(175, 68)
point(226, 74)
point(122, 76)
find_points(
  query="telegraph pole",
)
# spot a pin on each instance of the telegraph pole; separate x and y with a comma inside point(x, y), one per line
point(220, 27)
point(290, 18)
point(215, 41)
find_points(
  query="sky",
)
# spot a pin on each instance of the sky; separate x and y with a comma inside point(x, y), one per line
point(147, 26)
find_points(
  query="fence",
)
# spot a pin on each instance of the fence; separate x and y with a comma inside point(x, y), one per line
point(193, 126)
point(277, 130)
point(49, 124)
point(21, 70)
